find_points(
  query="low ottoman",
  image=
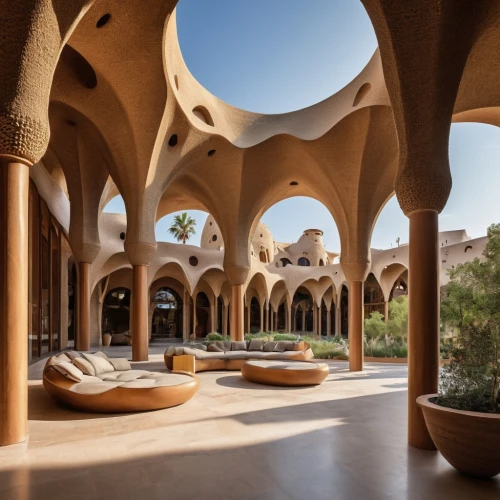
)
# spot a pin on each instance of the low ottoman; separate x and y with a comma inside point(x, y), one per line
point(285, 373)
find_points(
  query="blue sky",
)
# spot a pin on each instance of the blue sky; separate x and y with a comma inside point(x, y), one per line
point(274, 56)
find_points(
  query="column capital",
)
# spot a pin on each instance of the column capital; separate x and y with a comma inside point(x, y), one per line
point(355, 271)
point(8, 158)
point(424, 186)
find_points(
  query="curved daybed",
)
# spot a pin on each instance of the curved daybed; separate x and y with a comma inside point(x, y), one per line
point(232, 355)
point(113, 390)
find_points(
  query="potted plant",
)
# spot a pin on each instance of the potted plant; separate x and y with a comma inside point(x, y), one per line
point(464, 417)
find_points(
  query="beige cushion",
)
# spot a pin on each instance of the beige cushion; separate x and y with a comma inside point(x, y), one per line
point(100, 354)
point(255, 345)
point(280, 346)
point(227, 345)
point(69, 370)
point(215, 348)
point(123, 376)
point(120, 364)
point(72, 354)
point(269, 346)
point(239, 346)
point(256, 354)
point(100, 364)
point(84, 365)
point(62, 357)
point(289, 346)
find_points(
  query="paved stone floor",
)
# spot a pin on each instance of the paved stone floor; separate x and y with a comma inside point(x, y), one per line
point(236, 440)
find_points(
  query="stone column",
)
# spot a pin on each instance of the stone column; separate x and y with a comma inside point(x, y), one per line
point(237, 312)
point(271, 319)
point(329, 322)
point(386, 310)
point(261, 329)
point(319, 321)
point(422, 188)
point(83, 316)
point(303, 318)
point(338, 323)
point(139, 314)
point(14, 188)
point(212, 318)
point(423, 320)
point(315, 319)
point(216, 313)
point(224, 318)
point(267, 316)
point(288, 318)
point(356, 341)
point(195, 321)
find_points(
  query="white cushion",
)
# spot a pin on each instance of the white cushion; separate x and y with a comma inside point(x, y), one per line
point(120, 364)
point(84, 365)
point(100, 364)
point(69, 370)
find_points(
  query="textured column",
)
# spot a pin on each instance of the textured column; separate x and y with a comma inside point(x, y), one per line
point(423, 320)
point(140, 314)
point(237, 312)
point(315, 319)
point(83, 332)
point(267, 318)
point(261, 329)
point(14, 186)
point(303, 319)
point(288, 328)
point(271, 319)
point(249, 318)
point(386, 310)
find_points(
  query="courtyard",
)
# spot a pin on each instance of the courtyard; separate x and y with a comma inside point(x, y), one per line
point(344, 439)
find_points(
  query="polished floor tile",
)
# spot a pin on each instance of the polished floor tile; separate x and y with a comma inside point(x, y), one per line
point(236, 440)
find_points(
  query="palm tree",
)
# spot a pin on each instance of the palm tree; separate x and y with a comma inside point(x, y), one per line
point(182, 227)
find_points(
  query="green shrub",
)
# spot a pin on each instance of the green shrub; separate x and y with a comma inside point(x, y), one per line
point(217, 336)
point(284, 336)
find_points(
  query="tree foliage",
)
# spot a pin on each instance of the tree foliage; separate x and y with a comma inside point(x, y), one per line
point(397, 326)
point(183, 227)
point(472, 306)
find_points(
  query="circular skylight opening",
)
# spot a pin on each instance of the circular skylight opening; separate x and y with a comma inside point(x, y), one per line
point(269, 57)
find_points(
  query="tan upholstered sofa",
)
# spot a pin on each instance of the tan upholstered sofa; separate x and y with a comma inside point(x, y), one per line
point(232, 355)
point(96, 383)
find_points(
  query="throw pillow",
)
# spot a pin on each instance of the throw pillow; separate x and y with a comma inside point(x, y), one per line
point(72, 354)
point(227, 345)
point(269, 346)
point(220, 345)
point(214, 348)
point(255, 345)
point(289, 346)
point(100, 364)
point(120, 364)
point(69, 371)
point(280, 346)
point(239, 346)
point(85, 366)
point(63, 357)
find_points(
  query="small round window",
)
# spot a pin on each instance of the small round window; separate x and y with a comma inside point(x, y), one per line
point(214, 237)
point(193, 260)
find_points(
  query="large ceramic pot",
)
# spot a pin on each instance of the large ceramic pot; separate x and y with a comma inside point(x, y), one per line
point(106, 340)
point(469, 440)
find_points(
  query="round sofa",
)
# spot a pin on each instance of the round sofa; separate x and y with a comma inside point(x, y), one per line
point(116, 390)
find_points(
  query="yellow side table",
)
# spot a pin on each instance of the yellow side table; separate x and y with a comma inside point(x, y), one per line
point(184, 363)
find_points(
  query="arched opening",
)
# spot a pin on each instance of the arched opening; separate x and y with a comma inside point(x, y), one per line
point(342, 44)
point(254, 315)
point(373, 296)
point(167, 319)
point(116, 315)
point(263, 256)
point(202, 327)
point(170, 230)
point(302, 310)
point(295, 244)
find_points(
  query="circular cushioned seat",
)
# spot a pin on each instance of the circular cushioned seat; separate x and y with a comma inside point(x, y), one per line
point(119, 392)
point(285, 373)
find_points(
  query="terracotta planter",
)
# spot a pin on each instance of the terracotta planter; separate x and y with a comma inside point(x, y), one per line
point(106, 340)
point(470, 441)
